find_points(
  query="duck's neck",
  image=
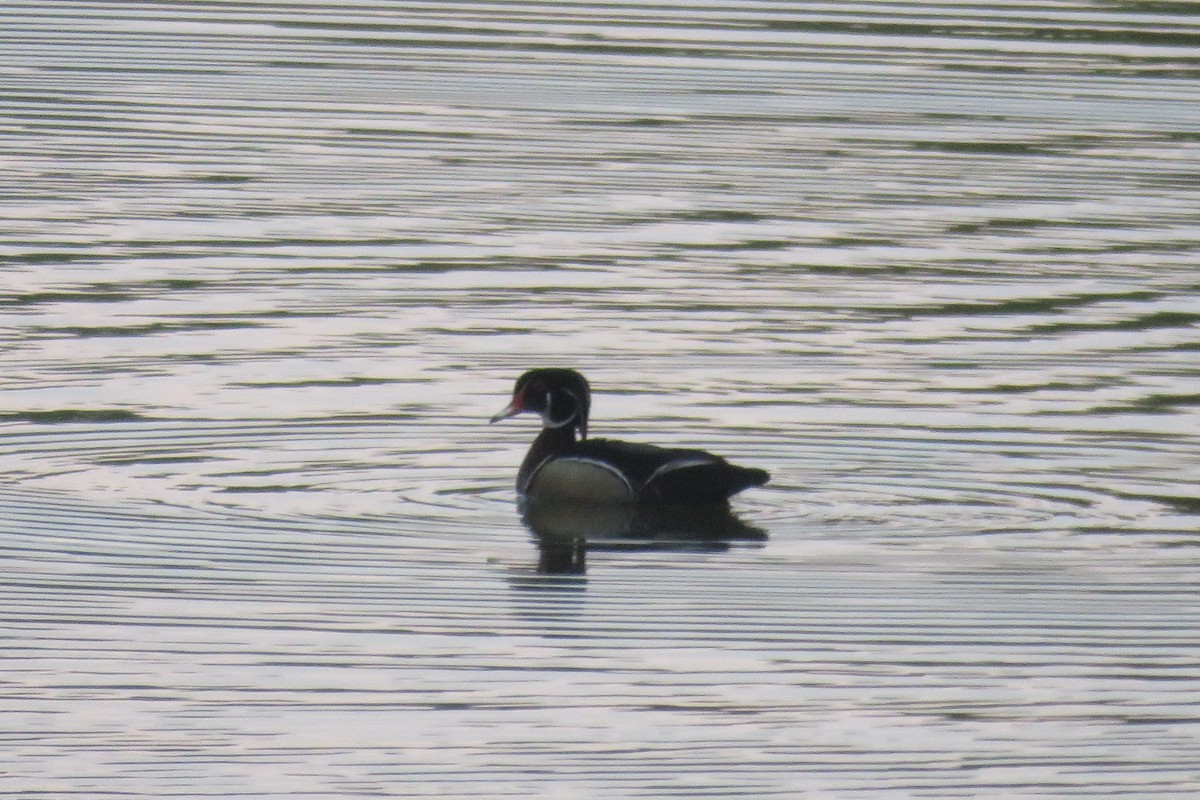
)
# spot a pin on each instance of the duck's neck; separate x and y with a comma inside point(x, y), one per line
point(550, 442)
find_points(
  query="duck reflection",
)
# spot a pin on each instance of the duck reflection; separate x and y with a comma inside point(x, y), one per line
point(565, 533)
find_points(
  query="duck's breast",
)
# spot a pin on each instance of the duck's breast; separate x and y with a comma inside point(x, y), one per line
point(579, 480)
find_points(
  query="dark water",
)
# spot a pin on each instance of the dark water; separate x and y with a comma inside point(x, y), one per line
point(268, 268)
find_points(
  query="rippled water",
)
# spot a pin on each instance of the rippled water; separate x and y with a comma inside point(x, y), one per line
point(268, 268)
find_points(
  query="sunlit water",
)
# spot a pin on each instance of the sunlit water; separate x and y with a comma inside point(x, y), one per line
point(269, 267)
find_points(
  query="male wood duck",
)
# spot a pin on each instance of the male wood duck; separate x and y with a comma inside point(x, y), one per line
point(561, 467)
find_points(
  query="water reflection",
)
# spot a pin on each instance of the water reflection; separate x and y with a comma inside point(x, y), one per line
point(564, 533)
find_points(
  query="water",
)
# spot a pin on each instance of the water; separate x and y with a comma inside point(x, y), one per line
point(268, 268)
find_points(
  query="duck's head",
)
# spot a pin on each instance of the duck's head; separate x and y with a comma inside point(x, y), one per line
point(560, 396)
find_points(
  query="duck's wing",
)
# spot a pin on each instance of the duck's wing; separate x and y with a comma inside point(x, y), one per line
point(699, 483)
point(668, 474)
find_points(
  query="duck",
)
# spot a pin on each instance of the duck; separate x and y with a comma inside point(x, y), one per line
point(563, 465)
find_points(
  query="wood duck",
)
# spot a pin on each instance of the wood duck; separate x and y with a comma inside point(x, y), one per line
point(561, 467)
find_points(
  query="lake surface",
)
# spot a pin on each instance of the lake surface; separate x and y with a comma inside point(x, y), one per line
point(269, 267)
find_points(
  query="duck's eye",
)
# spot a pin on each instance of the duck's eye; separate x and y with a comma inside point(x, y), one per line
point(533, 396)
